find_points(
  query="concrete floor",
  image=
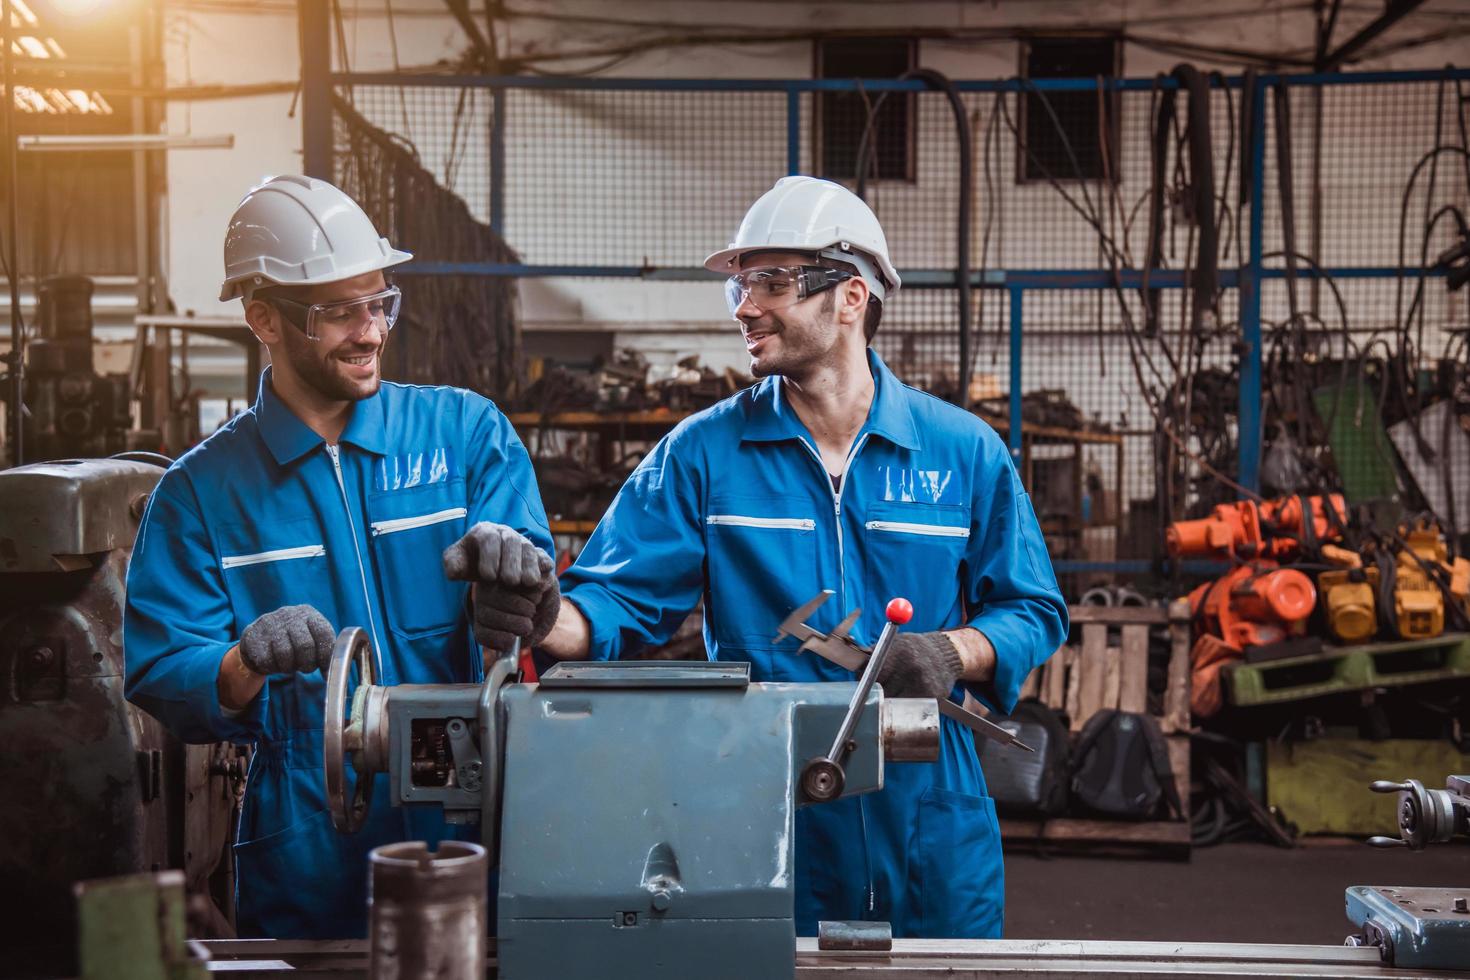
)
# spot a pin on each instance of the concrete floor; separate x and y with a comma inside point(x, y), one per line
point(1228, 893)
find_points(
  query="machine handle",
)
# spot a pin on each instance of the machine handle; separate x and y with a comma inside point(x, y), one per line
point(822, 779)
point(1389, 786)
point(491, 720)
point(338, 737)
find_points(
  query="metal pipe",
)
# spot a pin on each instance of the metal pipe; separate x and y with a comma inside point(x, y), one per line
point(316, 88)
point(427, 912)
point(910, 729)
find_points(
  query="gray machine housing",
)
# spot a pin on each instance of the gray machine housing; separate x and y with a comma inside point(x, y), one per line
point(659, 842)
point(648, 808)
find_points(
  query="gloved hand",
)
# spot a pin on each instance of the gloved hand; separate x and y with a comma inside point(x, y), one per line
point(288, 640)
point(516, 594)
point(920, 665)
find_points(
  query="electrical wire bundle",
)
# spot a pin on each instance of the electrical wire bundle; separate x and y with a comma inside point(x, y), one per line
point(461, 330)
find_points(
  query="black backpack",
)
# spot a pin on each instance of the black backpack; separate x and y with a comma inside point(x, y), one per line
point(1120, 767)
point(1024, 784)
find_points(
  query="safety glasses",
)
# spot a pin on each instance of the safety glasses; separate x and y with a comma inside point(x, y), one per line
point(342, 319)
point(775, 287)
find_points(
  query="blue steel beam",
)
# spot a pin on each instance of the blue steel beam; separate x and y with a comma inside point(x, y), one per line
point(533, 82)
point(1013, 437)
point(1248, 415)
point(793, 133)
point(1128, 279)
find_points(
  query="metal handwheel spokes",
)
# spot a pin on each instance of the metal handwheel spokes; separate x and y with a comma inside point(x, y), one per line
point(341, 736)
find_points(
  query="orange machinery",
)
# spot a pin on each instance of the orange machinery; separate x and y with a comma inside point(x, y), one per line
point(1256, 603)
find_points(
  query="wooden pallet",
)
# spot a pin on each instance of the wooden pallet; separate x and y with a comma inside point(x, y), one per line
point(1090, 676)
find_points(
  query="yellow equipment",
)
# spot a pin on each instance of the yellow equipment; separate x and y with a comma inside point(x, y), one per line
point(1349, 596)
point(1419, 603)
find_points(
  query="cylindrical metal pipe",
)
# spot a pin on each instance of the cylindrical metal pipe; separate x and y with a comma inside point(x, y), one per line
point(910, 728)
point(427, 912)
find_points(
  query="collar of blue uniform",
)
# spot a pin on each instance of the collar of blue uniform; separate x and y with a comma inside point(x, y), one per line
point(770, 417)
point(289, 438)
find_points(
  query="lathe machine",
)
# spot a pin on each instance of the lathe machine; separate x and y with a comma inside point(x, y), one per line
point(641, 815)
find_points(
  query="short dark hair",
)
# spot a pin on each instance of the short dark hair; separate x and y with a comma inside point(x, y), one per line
point(874, 314)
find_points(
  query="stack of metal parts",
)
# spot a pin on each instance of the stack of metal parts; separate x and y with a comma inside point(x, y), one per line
point(629, 383)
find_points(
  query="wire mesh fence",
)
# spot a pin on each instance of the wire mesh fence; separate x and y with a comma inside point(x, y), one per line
point(654, 177)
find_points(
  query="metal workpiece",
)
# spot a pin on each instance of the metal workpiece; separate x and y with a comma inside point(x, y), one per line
point(910, 729)
point(58, 516)
point(851, 936)
point(427, 911)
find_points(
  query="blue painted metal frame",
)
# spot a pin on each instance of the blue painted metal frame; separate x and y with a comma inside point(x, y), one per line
point(1016, 282)
point(1248, 413)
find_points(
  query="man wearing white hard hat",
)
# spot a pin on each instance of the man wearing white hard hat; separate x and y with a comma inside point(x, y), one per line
point(830, 473)
point(337, 500)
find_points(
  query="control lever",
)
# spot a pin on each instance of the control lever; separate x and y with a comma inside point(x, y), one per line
point(822, 778)
point(840, 648)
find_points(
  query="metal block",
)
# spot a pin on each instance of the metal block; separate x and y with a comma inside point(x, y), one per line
point(54, 515)
point(1414, 928)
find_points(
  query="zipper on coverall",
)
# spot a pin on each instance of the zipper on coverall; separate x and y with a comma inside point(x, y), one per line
point(842, 596)
point(334, 452)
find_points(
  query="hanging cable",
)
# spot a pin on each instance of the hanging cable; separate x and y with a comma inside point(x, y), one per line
point(940, 82)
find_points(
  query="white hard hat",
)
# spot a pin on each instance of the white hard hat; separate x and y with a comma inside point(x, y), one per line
point(808, 214)
point(299, 231)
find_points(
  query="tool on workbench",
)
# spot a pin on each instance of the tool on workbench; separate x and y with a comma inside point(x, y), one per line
point(840, 648)
point(621, 859)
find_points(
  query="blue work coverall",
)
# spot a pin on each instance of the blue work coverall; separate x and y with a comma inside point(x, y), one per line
point(264, 514)
point(736, 504)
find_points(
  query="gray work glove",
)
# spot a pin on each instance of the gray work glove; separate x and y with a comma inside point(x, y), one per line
point(289, 640)
point(920, 665)
point(516, 594)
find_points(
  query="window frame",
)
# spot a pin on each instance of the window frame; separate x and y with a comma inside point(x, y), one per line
point(1023, 175)
point(910, 110)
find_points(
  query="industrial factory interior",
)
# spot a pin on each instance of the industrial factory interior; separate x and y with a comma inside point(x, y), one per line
point(709, 490)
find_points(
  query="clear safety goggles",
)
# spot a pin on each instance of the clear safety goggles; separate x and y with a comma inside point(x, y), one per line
point(345, 318)
point(775, 287)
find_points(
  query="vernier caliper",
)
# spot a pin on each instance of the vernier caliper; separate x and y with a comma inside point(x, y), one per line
point(841, 649)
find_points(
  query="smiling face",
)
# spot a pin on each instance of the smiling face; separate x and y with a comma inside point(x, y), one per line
point(345, 363)
point(793, 340)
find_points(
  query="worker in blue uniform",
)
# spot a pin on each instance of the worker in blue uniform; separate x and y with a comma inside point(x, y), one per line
point(830, 473)
point(337, 500)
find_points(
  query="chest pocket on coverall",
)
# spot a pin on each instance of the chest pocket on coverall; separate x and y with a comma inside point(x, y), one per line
point(914, 551)
point(762, 553)
point(408, 531)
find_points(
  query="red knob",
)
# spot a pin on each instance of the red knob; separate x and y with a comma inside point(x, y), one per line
point(899, 611)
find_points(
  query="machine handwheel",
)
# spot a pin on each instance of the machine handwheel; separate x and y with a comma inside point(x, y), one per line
point(339, 737)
